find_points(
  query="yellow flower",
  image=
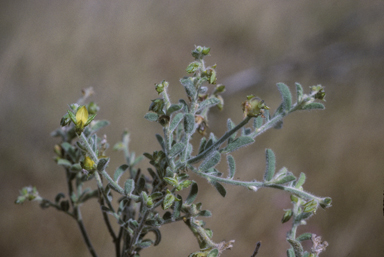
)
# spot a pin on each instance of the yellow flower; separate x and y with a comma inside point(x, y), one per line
point(81, 119)
point(88, 164)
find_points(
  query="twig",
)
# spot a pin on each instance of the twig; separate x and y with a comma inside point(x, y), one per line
point(256, 249)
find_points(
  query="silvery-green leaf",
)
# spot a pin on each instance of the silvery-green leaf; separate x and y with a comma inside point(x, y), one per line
point(207, 103)
point(160, 139)
point(219, 188)
point(286, 95)
point(313, 106)
point(151, 116)
point(175, 121)
point(211, 161)
point(95, 126)
point(173, 108)
point(189, 86)
point(189, 123)
point(238, 143)
point(231, 165)
point(119, 172)
point(192, 194)
point(270, 165)
point(176, 149)
point(129, 186)
point(301, 180)
point(299, 92)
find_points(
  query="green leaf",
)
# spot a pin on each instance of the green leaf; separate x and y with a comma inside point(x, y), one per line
point(171, 181)
point(129, 186)
point(231, 165)
point(286, 95)
point(297, 247)
point(160, 139)
point(189, 86)
point(270, 166)
point(99, 124)
point(64, 162)
point(238, 143)
point(231, 125)
point(176, 149)
point(284, 180)
point(303, 237)
point(291, 253)
point(211, 161)
point(145, 243)
point(158, 236)
point(173, 108)
point(300, 181)
point(192, 194)
point(213, 253)
point(219, 188)
point(210, 102)
point(203, 143)
point(175, 121)
point(299, 92)
point(258, 122)
point(119, 172)
point(102, 164)
point(168, 200)
point(205, 213)
point(189, 123)
point(151, 116)
point(313, 106)
point(177, 207)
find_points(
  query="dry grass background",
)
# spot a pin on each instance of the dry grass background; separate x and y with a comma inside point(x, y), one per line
point(50, 50)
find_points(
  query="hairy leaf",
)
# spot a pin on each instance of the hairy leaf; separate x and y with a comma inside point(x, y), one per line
point(175, 121)
point(176, 149)
point(151, 116)
point(119, 172)
point(192, 194)
point(231, 165)
point(238, 143)
point(189, 123)
point(129, 186)
point(219, 188)
point(313, 106)
point(211, 161)
point(286, 95)
point(270, 165)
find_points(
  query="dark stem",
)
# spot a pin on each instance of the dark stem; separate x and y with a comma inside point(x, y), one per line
point(256, 249)
point(84, 232)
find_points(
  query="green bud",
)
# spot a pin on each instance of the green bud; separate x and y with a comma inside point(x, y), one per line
point(219, 89)
point(205, 50)
point(160, 87)
point(193, 66)
point(326, 202)
point(294, 198)
point(157, 106)
point(287, 216)
point(318, 92)
point(93, 108)
point(310, 206)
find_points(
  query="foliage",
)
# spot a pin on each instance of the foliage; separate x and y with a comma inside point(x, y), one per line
point(141, 197)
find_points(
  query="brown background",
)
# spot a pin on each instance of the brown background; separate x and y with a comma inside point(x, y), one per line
point(50, 50)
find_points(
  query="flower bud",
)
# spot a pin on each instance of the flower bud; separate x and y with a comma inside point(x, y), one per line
point(318, 92)
point(287, 216)
point(157, 106)
point(254, 106)
point(88, 164)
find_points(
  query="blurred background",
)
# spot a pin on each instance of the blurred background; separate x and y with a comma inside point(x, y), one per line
point(50, 50)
